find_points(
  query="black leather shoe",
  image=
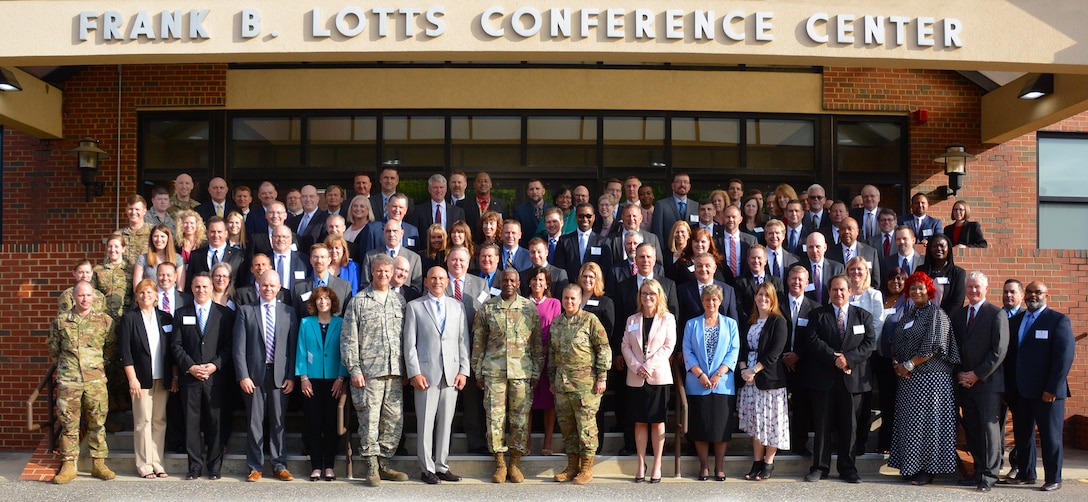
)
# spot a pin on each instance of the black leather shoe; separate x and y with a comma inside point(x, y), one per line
point(850, 478)
point(429, 478)
point(214, 476)
point(1017, 481)
point(192, 475)
point(1050, 487)
point(983, 487)
point(814, 475)
point(449, 476)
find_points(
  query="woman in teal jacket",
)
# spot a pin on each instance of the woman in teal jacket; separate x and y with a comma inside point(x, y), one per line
point(322, 376)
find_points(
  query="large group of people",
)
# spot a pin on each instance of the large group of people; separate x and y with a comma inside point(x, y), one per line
point(777, 319)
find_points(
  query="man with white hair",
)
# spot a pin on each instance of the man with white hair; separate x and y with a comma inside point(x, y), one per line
point(439, 210)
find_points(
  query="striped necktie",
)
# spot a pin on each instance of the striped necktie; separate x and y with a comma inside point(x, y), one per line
point(269, 334)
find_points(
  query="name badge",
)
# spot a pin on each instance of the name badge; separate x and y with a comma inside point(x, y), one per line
point(888, 312)
point(859, 329)
point(294, 247)
point(1042, 334)
point(410, 242)
point(188, 320)
point(908, 325)
point(635, 326)
point(306, 296)
point(300, 274)
point(942, 280)
point(496, 291)
point(500, 217)
point(483, 297)
point(804, 248)
point(810, 287)
point(595, 250)
point(309, 358)
point(169, 328)
point(802, 321)
point(694, 218)
point(691, 268)
point(593, 303)
point(758, 230)
point(927, 232)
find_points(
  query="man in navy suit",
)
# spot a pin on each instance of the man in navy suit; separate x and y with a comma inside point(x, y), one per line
point(424, 215)
point(836, 372)
point(796, 309)
point(795, 228)
point(581, 246)
point(217, 250)
point(675, 208)
point(310, 224)
point(849, 247)
point(256, 223)
point(867, 215)
point(755, 276)
point(820, 269)
point(924, 226)
point(623, 270)
point(532, 211)
point(1043, 356)
point(513, 255)
point(689, 295)
point(734, 246)
point(289, 264)
point(388, 180)
point(373, 234)
point(538, 255)
point(218, 205)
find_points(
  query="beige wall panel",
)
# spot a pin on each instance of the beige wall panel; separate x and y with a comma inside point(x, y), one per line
point(1006, 117)
point(36, 109)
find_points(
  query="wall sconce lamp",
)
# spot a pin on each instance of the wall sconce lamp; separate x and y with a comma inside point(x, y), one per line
point(8, 82)
point(89, 156)
point(1041, 85)
point(954, 158)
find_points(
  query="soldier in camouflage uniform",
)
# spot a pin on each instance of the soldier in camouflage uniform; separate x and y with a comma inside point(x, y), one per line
point(67, 300)
point(180, 201)
point(579, 369)
point(78, 341)
point(137, 233)
point(114, 280)
point(507, 358)
point(371, 346)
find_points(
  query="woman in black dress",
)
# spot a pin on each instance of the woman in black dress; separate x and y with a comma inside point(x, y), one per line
point(950, 280)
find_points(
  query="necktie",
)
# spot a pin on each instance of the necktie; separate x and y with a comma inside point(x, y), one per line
point(302, 224)
point(166, 303)
point(583, 241)
point(202, 318)
point(815, 221)
point(734, 253)
point(842, 324)
point(551, 247)
point(817, 282)
point(917, 226)
point(701, 287)
point(483, 204)
point(868, 225)
point(793, 319)
point(538, 211)
point(634, 269)
point(906, 266)
point(887, 245)
point(269, 334)
point(509, 259)
point(970, 317)
point(1009, 313)
point(775, 270)
point(759, 280)
point(457, 294)
point(318, 283)
point(392, 253)
point(683, 206)
point(848, 254)
point(215, 257)
point(793, 240)
point(438, 214)
point(219, 210)
point(1025, 325)
point(280, 269)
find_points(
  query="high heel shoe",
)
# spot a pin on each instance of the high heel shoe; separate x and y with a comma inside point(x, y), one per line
point(766, 472)
point(316, 475)
point(756, 467)
point(330, 475)
point(702, 476)
point(654, 481)
point(640, 479)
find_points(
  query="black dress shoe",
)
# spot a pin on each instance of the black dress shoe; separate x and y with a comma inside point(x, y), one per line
point(429, 478)
point(214, 476)
point(1017, 481)
point(852, 478)
point(192, 475)
point(449, 476)
point(1050, 487)
point(814, 475)
point(983, 487)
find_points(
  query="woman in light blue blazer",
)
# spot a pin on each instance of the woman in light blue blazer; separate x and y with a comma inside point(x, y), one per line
point(322, 375)
point(711, 348)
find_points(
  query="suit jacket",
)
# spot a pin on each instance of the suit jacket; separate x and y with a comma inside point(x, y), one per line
point(472, 213)
point(1045, 355)
point(559, 280)
point(314, 231)
point(621, 272)
point(135, 349)
point(302, 288)
point(262, 244)
point(207, 209)
point(835, 252)
point(799, 250)
point(725, 353)
point(823, 341)
point(473, 295)
point(970, 235)
point(691, 304)
point(788, 259)
point(317, 357)
point(198, 262)
point(929, 224)
point(189, 347)
point(982, 346)
point(858, 214)
point(568, 253)
point(422, 216)
point(431, 349)
point(248, 295)
point(521, 259)
point(526, 214)
point(619, 254)
point(772, 343)
point(627, 301)
point(415, 279)
point(746, 292)
point(830, 269)
point(379, 207)
point(746, 241)
point(887, 264)
point(798, 331)
point(300, 269)
point(256, 222)
point(666, 214)
point(807, 227)
point(249, 348)
point(654, 356)
point(373, 236)
point(955, 288)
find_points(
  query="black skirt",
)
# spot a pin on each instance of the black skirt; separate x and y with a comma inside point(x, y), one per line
point(648, 404)
point(710, 417)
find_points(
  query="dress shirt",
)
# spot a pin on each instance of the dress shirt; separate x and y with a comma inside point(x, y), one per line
point(151, 327)
point(217, 253)
point(169, 293)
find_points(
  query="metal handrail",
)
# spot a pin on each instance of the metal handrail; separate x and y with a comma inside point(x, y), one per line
point(32, 426)
point(681, 413)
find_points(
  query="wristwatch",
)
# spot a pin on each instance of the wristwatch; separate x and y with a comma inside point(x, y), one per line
point(908, 365)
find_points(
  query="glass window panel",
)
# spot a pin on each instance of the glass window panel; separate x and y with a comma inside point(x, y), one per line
point(634, 141)
point(562, 142)
point(174, 145)
point(869, 147)
point(1062, 167)
point(414, 141)
point(781, 144)
point(705, 143)
point(1054, 225)
point(266, 142)
point(348, 143)
point(485, 142)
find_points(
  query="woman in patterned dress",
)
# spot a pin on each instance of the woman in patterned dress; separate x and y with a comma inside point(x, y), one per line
point(924, 353)
point(762, 406)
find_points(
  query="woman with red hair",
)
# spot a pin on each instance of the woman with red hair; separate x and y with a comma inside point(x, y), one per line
point(924, 353)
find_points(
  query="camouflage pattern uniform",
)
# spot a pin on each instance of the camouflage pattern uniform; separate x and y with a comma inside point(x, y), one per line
point(153, 219)
point(135, 242)
point(371, 345)
point(508, 353)
point(78, 345)
point(114, 281)
point(580, 357)
point(67, 301)
point(176, 206)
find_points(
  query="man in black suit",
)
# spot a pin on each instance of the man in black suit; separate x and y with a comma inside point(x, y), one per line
point(689, 295)
point(388, 180)
point(867, 215)
point(626, 269)
point(1042, 354)
point(275, 216)
point(820, 269)
point(779, 260)
point(796, 309)
point(401, 280)
point(837, 213)
point(334, 201)
point(795, 228)
point(288, 263)
point(734, 246)
point(250, 293)
point(203, 259)
point(924, 226)
point(755, 275)
point(437, 210)
point(581, 246)
point(484, 201)
point(201, 347)
point(218, 205)
point(362, 183)
point(319, 260)
point(904, 256)
point(706, 220)
point(849, 246)
point(256, 222)
point(982, 333)
point(836, 372)
point(816, 219)
point(170, 300)
point(309, 225)
point(532, 211)
point(538, 256)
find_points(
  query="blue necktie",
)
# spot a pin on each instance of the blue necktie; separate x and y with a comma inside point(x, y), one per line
point(683, 206)
point(1029, 319)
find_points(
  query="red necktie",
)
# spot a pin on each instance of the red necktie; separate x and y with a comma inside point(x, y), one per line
point(483, 204)
point(166, 303)
point(887, 245)
point(970, 317)
point(734, 256)
point(634, 269)
point(438, 214)
point(457, 289)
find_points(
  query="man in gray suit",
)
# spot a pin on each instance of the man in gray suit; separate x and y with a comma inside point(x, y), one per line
point(436, 361)
point(632, 222)
point(393, 248)
point(319, 260)
point(265, 341)
point(669, 210)
point(472, 292)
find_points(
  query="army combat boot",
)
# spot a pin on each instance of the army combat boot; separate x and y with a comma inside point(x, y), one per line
point(500, 469)
point(100, 471)
point(585, 472)
point(66, 473)
point(571, 470)
point(387, 473)
point(515, 468)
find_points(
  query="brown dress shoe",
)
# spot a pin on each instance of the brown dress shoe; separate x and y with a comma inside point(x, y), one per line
point(253, 476)
point(284, 475)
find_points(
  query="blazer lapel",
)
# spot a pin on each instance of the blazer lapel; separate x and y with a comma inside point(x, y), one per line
point(142, 331)
point(434, 316)
point(283, 326)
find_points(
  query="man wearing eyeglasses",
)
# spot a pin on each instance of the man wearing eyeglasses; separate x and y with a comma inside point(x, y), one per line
point(816, 219)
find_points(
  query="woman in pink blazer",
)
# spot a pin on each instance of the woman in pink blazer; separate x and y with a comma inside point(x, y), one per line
point(647, 345)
